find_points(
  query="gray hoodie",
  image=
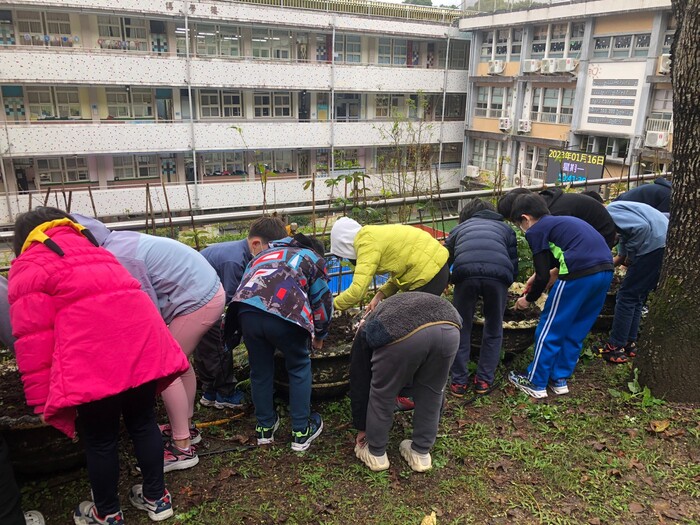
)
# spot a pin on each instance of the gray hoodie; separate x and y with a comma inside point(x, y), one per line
point(177, 278)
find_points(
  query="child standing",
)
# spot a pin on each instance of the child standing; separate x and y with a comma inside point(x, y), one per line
point(284, 303)
point(91, 343)
point(190, 298)
point(585, 271)
point(484, 258)
point(229, 260)
point(642, 243)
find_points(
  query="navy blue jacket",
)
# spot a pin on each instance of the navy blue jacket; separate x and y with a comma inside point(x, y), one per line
point(483, 247)
point(229, 259)
point(657, 195)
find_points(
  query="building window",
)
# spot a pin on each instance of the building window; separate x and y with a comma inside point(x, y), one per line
point(142, 103)
point(492, 102)
point(207, 40)
point(231, 103)
point(516, 45)
point(454, 107)
point(502, 38)
point(38, 25)
point(229, 41)
point(269, 43)
point(282, 102)
point(136, 166)
point(262, 104)
point(118, 102)
point(662, 106)
point(535, 164)
point(459, 54)
point(552, 105)
point(392, 51)
point(127, 102)
point(209, 103)
point(40, 103)
point(482, 101)
point(487, 47)
point(622, 46)
point(223, 163)
point(348, 48)
point(122, 33)
point(496, 106)
point(539, 41)
point(388, 105)
point(557, 42)
point(669, 34)
point(58, 23)
point(57, 170)
point(576, 39)
point(617, 148)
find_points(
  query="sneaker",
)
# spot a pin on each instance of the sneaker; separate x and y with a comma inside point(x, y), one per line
point(177, 459)
point(523, 383)
point(375, 463)
point(166, 433)
point(34, 517)
point(266, 435)
point(559, 386)
point(481, 387)
point(302, 440)
point(404, 404)
point(208, 399)
point(418, 462)
point(613, 354)
point(458, 390)
point(158, 510)
point(235, 400)
point(86, 514)
point(631, 349)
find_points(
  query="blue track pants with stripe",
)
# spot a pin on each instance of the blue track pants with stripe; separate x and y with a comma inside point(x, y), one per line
point(569, 313)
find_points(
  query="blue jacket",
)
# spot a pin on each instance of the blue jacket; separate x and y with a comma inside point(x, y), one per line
point(289, 281)
point(483, 247)
point(642, 228)
point(656, 195)
point(176, 277)
point(229, 259)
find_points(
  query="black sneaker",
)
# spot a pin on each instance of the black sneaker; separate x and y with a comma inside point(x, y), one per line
point(266, 435)
point(302, 440)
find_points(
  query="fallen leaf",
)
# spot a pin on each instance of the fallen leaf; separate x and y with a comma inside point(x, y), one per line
point(462, 423)
point(674, 433)
point(429, 520)
point(635, 508)
point(615, 472)
point(594, 521)
point(226, 473)
point(659, 426)
point(632, 432)
point(598, 447)
point(503, 465)
point(518, 422)
point(674, 515)
point(635, 463)
point(647, 480)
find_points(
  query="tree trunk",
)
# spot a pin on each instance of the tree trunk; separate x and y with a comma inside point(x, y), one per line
point(669, 362)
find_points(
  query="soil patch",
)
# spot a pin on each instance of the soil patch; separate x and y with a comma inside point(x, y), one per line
point(341, 331)
point(12, 399)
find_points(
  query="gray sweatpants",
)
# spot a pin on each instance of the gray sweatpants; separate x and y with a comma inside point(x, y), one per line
point(423, 359)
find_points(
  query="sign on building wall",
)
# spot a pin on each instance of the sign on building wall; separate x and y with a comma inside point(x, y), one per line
point(612, 99)
point(573, 166)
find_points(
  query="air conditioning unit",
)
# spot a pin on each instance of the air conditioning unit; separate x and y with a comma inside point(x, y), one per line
point(566, 65)
point(665, 64)
point(473, 172)
point(496, 67)
point(517, 181)
point(531, 66)
point(549, 66)
point(524, 126)
point(656, 139)
point(504, 124)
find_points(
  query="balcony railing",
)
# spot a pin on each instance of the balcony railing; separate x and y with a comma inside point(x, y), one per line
point(551, 118)
point(658, 124)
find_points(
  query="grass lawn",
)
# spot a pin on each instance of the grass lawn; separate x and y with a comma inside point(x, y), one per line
point(605, 453)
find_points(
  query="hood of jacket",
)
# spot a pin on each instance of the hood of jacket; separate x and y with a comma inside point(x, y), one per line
point(343, 236)
point(39, 235)
point(97, 228)
point(551, 195)
point(488, 214)
point(662, 182)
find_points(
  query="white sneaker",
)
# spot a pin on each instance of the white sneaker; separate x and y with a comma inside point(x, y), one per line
point(34, 517)
point(375, 463)
point(559, 387)
point(418, 462)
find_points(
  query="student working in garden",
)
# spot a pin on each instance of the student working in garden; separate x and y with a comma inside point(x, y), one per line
point(642, 242)
point(190, 298)
point(91, 343)
point(414, 260)
point(408, 338)
point(284, 303)
point(214, 365)
point(585, 272)
point(484, 259)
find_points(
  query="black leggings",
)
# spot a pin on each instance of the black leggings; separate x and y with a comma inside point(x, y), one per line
point(99, 429)
point(10, 510)
point(438, 283)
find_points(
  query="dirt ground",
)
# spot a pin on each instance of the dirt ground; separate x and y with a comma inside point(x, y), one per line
point(603, 454)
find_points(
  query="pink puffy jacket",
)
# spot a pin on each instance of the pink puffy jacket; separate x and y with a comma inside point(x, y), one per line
point(85, 330)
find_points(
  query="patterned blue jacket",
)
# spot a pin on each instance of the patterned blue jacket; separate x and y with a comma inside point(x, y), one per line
point(290, 281)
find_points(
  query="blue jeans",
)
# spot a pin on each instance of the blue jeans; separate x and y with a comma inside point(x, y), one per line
point(495, 295)
point(263, 333)
point(642, 277)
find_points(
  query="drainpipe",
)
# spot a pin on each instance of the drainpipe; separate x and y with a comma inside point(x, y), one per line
point(3, 174)
point(331, 161)
point(188, 79)
point(444, 97)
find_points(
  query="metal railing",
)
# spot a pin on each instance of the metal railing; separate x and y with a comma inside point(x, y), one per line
point(658, 124)
point(371, 8)
point(551, 118)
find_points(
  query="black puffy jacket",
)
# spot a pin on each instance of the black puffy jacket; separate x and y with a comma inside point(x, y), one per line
point(483, 247)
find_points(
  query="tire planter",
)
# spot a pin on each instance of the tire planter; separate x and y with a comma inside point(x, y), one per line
point(605, 318)
point(517, 337)
point(39, 449)
point(330, 372)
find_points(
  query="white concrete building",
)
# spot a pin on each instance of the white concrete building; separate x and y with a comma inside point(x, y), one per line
point(101, 98)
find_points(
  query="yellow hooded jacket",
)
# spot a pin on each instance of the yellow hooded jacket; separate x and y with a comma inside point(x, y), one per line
point(412, 257)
